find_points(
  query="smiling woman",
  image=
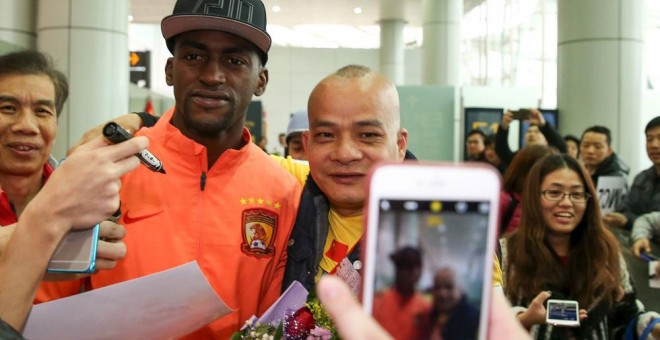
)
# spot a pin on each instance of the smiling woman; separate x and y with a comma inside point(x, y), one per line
point(562, 249)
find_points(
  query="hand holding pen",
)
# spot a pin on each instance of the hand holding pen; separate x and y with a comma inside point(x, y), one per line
point(116, 134)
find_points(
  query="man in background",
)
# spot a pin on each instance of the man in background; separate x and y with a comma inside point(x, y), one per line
point(298, 123)
point(597, 154)
point(475, 145)
point(280, 150)
point(644, 194)
point(452, 316)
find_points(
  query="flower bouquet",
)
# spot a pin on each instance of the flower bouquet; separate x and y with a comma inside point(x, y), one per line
point(296, 315)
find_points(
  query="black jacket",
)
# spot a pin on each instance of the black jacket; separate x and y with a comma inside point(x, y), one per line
point(307, 240)
point(611, 166)
point(463, 321)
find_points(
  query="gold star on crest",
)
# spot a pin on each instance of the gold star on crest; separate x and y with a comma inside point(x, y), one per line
point(243, 201)
point(269, 203)
point(277, 205)
point(251, 200)
point(260, 201)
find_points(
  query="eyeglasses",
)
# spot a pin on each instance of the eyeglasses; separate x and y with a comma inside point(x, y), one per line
point(556, 195)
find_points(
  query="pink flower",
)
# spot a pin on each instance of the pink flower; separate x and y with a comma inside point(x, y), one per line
point(319, 333)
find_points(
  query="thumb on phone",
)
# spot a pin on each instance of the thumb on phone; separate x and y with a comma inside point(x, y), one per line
point(535, 313)
point(540, 299)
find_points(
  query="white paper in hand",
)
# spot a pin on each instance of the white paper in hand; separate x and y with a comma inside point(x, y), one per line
point(165, 305)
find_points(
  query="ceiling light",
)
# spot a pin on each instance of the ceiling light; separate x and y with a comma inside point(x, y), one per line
point(130, 18)
point(357, 10)
point(276, 8)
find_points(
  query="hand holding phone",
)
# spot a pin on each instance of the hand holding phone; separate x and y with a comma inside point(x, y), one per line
point(76, 253)
point(522, 114)
point(430, 227)
point(563, 313)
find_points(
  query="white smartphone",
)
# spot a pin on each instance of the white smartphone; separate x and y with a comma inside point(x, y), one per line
point(433, 224)
point(76, 253)
point(563, 313)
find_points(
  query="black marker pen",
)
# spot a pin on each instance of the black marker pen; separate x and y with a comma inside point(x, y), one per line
point(116, 134)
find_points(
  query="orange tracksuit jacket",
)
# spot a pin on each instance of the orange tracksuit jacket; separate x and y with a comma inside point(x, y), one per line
point(234, 219)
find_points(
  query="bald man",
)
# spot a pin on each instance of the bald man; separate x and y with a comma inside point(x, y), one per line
point(353, 124)
point(452, 315)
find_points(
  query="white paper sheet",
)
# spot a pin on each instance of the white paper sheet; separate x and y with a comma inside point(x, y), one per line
point(611, 190)
point(290, 301)
point(165, 305)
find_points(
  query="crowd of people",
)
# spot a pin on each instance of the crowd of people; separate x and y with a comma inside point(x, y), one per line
point(555, 240)
point(219, 186)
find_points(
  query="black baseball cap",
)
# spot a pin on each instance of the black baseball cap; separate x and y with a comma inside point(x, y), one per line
point(244, 18)
point(407, 257)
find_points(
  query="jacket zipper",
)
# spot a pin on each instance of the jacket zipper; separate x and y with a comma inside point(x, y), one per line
point(202, 183)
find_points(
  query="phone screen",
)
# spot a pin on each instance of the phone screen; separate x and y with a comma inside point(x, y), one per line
point(522, 114)
point(76, 253)
point(562, 311)
point(432, 252)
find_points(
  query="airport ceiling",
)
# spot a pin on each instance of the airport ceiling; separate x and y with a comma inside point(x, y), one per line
point(301, 12)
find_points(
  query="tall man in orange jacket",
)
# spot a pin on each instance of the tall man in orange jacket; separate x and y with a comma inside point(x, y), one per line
point(223, 202)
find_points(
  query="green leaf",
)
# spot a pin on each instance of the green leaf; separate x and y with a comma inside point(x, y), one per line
point(279, 333)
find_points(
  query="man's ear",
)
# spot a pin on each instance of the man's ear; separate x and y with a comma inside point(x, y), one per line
point(305, 140)
point(263, 81)
point(402, 142)
point(169, 72)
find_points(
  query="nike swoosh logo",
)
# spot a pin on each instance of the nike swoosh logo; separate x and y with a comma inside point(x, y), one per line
point(131, 217)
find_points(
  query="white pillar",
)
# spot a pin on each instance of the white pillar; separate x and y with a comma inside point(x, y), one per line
point(441, 50)
point(17, 23)
point(392, 45)
point(599, 66)
point(88, 40)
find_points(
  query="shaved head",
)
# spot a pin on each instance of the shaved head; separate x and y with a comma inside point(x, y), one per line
point(367, 81)
point(354, 123)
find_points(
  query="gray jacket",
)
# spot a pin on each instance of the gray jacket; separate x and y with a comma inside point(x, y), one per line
point(647, 226)
point(643, 197)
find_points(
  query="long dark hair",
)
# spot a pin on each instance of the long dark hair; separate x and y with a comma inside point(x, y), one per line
point(514, 177)
point(592, 272)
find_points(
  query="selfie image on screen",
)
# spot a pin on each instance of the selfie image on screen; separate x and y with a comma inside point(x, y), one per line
point(563, 311)
point(429, 268)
